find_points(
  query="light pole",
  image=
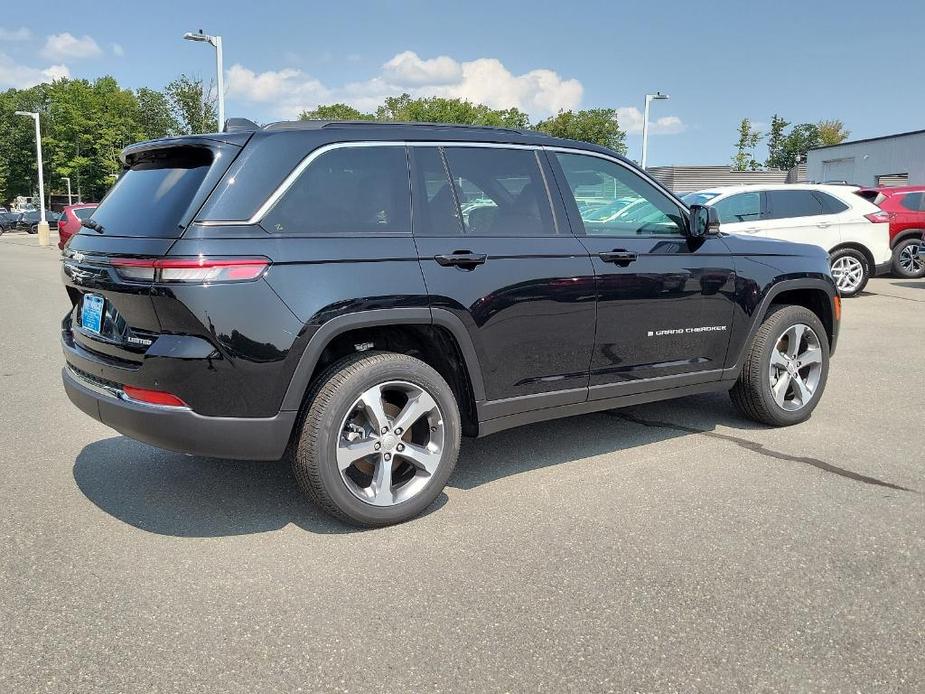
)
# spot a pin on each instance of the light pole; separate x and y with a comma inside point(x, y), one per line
point(68, 179)
point(220, 77)
point(43, 225)
point(645, 124)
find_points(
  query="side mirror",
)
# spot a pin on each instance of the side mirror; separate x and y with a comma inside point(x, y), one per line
point(704, 220)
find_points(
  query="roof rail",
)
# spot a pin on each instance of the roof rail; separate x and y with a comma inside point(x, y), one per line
point(319, 124)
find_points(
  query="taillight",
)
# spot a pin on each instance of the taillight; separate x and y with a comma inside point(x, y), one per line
point(153, 397)
point(879, 217)
point(190, 270)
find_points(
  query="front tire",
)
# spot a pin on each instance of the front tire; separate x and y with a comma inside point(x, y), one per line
point(850, 270)
point(906, 261)
point(379, 441)
point(785, 369)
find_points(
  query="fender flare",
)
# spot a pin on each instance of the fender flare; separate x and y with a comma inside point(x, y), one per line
point(783, 286)
point(301, 377)
point(905, 235)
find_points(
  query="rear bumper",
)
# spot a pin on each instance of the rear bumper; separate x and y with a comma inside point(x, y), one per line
point(181, 429)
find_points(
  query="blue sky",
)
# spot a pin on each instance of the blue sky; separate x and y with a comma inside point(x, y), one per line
point(719, 61)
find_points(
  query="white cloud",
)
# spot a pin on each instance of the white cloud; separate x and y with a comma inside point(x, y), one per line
point(487, 81)
point(20, 34)
point(117, 50)
point(66, 45)
point(23, 76)
point(630, 119)
point(408, 70)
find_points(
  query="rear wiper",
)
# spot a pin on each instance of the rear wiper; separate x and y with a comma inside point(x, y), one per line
point(90, 224)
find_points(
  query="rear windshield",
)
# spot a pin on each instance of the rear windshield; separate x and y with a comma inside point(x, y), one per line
point(151, 197)
point(84, 212)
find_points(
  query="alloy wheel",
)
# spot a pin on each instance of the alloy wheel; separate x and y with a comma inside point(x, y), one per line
point(910, 259)
point(796, 367)
point(848, 273)
point(390, 443)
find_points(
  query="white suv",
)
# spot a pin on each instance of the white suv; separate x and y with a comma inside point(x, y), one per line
point(832, 217)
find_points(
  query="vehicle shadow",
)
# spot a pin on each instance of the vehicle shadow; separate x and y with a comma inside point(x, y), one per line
point(911, 284)
point(173, 494)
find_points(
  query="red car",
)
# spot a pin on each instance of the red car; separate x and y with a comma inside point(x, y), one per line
point(69, 223)
point(904, 208)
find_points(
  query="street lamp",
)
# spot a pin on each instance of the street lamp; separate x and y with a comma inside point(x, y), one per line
point(220, 78)
point(43, 225)
point(645, 123)
point(68, 179)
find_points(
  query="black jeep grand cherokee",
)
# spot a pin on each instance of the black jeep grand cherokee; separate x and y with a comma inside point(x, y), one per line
point(357, 296)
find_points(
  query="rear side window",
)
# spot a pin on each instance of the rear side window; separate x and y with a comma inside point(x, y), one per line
point(151, 197)
point(830, 204)
point(783, 204)
point(501, 192)
point(742, 207)
point(913, 201)
point(347, 190)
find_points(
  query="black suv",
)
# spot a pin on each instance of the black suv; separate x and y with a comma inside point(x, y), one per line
point(357, 296)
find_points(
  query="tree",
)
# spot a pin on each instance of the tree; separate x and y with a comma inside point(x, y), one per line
point(155, 116)
point(802, 138)
point(192, 105)
point(335, 112)
point(744, 159)
point(438, 109)
point(831, 132)
point(598, 126)
point(775, 142)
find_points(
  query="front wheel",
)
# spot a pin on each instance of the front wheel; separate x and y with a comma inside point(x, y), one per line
point(908, 260)
point(850, 270)
point(785, 369)
point(379, 440)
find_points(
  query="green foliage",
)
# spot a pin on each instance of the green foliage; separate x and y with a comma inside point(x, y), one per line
point(832, 132)
point(192, 105)
point(776, 142)
point(335, 112)
point(597, 125)
point(744, 159)
point(437, 109)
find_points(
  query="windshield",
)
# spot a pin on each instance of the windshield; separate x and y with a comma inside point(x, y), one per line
point(151, 197)
point(698, 198)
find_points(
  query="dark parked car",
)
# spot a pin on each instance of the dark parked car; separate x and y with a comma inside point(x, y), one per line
point(9, 220)
point(356, 297)
point(29, 221)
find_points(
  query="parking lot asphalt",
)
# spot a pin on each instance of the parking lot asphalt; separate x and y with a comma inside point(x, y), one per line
point(672, 546)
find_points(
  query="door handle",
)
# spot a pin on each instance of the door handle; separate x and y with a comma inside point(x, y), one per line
point(463, 259)
point(822, 225)
point(750, 230)
point(618, 256)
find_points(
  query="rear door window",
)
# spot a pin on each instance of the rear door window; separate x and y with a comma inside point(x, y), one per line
point(152, 197)
point(784, 204)
point(347, 190)
point(501, 192)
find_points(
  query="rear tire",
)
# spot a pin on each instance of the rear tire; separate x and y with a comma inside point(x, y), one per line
point(907, 263)
point(379, 439)
point(785, 370)
point(850, 270)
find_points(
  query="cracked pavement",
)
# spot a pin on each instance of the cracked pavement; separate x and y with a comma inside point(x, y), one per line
point(672, 546)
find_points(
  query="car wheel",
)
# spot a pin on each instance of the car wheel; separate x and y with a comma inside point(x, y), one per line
point(34, 229)
point(907, 260)
point(850, 270)
point(785, 369)
point(379, 439)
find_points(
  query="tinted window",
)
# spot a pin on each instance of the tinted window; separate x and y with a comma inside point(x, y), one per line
point(501, 192)
point(830, 204)
point(742, 207)
point(435, 209)
point(793, 203)
point(151, 197)
point(913, 201)
point(84, 212)
point(614, 201)
point(348, 190)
